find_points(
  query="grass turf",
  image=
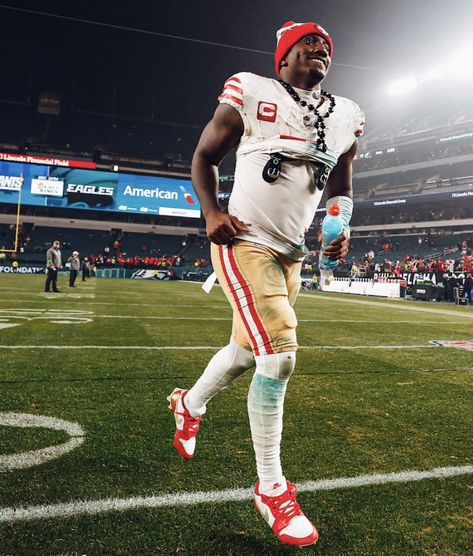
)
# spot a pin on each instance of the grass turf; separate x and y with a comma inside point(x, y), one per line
point(348, 412)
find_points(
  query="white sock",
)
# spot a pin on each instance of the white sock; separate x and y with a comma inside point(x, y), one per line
point(265, 410)
point(225, 366)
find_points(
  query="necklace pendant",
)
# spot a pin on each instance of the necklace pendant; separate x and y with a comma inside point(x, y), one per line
point(307, 120)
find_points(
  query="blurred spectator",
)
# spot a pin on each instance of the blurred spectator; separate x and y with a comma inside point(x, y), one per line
point(85, 268)
point(74, 264)
point(53, 264)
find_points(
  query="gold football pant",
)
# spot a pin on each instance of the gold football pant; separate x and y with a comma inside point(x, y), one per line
point(261, 286)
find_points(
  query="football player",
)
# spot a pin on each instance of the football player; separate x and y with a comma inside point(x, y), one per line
point(293, 140)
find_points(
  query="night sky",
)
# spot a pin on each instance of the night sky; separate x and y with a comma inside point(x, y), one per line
point(149, 76)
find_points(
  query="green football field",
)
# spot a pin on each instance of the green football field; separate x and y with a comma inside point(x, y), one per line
point(378, 425)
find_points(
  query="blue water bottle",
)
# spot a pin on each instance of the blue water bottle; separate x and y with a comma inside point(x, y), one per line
point(332, 227)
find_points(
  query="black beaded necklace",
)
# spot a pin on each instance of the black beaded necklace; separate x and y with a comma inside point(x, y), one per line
point(319, 123)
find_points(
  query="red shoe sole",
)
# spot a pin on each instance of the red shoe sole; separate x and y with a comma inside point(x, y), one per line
point(180, 449)
point(288, 540)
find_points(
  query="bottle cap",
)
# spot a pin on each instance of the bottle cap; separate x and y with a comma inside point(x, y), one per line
point(334, 209)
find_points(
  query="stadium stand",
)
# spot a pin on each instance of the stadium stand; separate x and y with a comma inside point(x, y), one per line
point(410, 183)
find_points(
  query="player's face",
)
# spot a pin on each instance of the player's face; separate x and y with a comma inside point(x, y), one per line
point(311, 53)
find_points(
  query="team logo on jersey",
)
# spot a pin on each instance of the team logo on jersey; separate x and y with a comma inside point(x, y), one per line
point(307, 120)
point(267, 111)
point(458, 344)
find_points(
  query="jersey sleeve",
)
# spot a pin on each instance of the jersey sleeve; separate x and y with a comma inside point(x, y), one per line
point(232, 92)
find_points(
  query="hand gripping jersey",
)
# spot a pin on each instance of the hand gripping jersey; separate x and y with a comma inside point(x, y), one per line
point(281, 212)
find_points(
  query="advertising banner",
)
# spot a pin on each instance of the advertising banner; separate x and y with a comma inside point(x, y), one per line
point(412, 278)
point(411, 200)
point(59, 187)
point(21, 269)
point(51, 161)
point(148, 274)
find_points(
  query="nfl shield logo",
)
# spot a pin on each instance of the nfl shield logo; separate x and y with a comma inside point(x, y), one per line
point(458, 344)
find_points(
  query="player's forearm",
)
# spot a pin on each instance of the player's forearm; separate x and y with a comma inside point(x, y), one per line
point(342, 191)
point(205, 181)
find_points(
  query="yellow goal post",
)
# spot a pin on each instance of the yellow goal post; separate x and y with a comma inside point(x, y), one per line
point(17, 223)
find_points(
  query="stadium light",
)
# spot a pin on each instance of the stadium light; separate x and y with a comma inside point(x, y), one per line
point(457, 67)
point(460, 65)
point(435, 72)
point(403, 86)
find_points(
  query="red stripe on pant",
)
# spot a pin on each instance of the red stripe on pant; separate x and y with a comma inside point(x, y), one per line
point(251, 305)
point(237, 301)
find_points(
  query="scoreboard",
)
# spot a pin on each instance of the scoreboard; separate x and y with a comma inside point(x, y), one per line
point(78, 188)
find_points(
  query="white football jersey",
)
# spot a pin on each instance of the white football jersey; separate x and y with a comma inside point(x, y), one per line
point(280, 213)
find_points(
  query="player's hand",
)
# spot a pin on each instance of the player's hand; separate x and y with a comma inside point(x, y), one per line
point(338, 248)
point(222, 228)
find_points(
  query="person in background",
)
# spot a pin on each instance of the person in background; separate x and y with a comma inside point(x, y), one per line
point(468, 286)
point(85, 269)
point(452, 283)
point(53, 264)
point(74, 262)
point(354, 271)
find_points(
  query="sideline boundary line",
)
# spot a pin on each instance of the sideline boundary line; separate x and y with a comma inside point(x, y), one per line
point(162, 348)
point(92, 507)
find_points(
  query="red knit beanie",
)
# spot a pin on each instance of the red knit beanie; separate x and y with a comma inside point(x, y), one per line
point(290, 33)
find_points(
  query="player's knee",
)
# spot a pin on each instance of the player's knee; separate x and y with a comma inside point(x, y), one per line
point(242, 357)
point(287, 363)
point(276, 365)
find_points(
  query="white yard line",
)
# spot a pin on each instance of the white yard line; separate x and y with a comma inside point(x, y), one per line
point(139, 317)
point(49, 312)
point(391, 323)
point(45, 310)
point(12, 289)
point(177, 499)
point(419, 346)
point(410, 322)
point(223, 305)
point(400, 305)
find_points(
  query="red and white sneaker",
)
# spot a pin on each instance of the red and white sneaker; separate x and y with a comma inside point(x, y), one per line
point(187, 426)
point(285, 517)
